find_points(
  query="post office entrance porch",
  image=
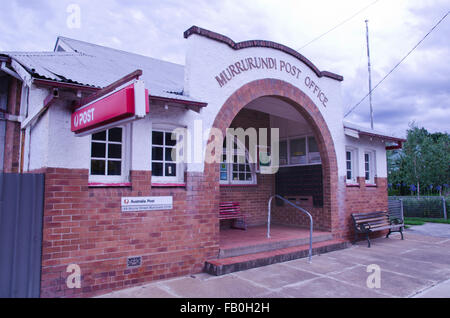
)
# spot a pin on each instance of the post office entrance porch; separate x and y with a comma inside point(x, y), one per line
point(302, 178)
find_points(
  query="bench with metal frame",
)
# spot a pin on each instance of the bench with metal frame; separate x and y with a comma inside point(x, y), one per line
point(366, 223)
point(232, 210)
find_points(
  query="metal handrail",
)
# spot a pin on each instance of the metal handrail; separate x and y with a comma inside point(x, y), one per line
point(298, 208)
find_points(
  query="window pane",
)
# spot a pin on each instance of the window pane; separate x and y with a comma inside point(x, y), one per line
point(223, 176)
point(169, 141)
point(298, 147)
point(114, 168)
point(241, 159)
point(242, 176)
point(367, 176)
point(157, 138)
point(349, 175)
point(249, 177)
point(115, 134)
point(349, 155)
point(223, 167)
point(98, 150)
point(157, 169)
point(314, 157)
point(349, 165)
point(169, 154)
point(171, 169)
point(157, 153)
point(99, 136)
point(366, 156)
point(98, 167)
point(114, 151)
point(283, 153)
point(298, 151)
point(312, 145)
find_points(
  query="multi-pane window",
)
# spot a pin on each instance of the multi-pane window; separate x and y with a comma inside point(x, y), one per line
point(239, 171)
point(351, 165)
point(107, 153)
point(369, 167)
point(299, 151)
point(164, 155)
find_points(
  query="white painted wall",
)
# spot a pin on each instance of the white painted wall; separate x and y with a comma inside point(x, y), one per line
point(365, 143)
point(206, 58)
point(290, 128)
point(66, 150)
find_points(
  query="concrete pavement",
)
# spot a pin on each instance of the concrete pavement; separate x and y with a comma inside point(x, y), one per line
point(418, 266)
point(431, 229)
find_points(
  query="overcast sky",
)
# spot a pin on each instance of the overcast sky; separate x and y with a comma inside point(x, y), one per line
point(419, 89)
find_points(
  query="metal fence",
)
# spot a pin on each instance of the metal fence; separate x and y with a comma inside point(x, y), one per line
point(21, 216)
point(424, 206)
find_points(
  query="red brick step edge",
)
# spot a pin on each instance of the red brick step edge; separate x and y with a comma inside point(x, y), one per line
point(228, 265)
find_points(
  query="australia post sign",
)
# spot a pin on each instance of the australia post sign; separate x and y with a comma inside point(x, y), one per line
point(120, 106)
point(136, 204)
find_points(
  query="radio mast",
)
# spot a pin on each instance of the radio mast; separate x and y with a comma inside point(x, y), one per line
point(370, 74)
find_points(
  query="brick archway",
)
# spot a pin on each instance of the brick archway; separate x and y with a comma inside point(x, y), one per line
point(306, 107)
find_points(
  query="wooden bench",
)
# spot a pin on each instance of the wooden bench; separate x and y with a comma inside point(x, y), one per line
point(367, 223)
point(232, 210)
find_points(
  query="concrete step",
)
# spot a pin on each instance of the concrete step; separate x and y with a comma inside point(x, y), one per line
point(271, 245)
point(228, 265)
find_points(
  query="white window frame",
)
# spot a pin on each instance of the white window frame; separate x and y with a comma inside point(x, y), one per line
point(353, 165)
point(125, 159)
point(372, 166)
point(229, 166)
point(307, 152)
point(180, 166)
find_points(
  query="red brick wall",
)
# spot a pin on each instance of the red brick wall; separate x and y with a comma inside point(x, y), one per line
point(287, 215)
point(362, 198)
point(85, 226)
point(253, 199)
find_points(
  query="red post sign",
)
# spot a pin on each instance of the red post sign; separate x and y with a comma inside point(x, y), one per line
point(115, 107)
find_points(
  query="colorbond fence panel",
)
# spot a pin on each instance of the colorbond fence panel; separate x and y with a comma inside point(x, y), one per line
point(21, 216)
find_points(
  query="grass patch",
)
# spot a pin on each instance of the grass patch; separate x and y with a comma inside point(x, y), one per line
point(413, 221)
point(421, 221)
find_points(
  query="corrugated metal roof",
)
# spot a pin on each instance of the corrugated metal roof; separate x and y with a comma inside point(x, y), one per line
point(99, 66)
point(371, 132)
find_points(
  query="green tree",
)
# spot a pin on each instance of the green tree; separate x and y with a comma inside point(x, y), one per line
point(424, 160)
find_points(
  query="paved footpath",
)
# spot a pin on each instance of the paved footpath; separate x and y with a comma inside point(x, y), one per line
point(432, 229)
point(418, 266)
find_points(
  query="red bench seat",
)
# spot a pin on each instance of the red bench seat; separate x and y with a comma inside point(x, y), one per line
point(232, 210)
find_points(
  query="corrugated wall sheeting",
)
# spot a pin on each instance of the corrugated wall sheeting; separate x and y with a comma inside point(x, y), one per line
point(21, 216)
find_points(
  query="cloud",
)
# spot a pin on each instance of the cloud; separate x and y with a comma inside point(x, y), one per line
point(417, 90)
